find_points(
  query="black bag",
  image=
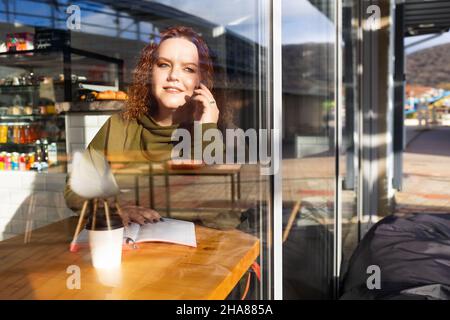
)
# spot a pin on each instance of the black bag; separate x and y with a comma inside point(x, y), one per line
point(413, 254)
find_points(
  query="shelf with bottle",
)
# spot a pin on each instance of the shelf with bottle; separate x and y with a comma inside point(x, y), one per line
point(19, 133)
point(43, 156)
point(25, 133)
point(16, 162)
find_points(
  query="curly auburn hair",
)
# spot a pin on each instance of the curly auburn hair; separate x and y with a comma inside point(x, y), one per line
point(140, 97)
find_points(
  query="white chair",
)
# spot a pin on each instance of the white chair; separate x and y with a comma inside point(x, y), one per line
point(91, 178)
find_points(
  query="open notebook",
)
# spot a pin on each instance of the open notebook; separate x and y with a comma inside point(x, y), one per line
point(169, 230)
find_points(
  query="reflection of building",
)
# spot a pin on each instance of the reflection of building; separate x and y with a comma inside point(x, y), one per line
point(307, 91)
point(371, 55)
point(124, 28)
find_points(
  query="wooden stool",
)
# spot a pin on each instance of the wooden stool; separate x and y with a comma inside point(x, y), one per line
point(94, 215)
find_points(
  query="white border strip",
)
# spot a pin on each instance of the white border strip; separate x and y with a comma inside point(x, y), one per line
point(277, 139)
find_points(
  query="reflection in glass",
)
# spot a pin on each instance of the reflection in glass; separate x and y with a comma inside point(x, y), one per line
point(238, 43)
point(348, 157)
point(309, 120)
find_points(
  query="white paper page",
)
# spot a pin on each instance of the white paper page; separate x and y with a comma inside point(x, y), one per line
point(83, 236)
point(132, 231)
point(169, 230)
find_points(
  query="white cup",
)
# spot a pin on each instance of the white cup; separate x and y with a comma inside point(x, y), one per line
point(105, 241)
point(106, 247)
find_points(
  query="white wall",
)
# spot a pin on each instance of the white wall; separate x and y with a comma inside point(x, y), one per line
point(81, 129)
point(17, 188)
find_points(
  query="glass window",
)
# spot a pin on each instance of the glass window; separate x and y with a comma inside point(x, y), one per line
point(309, 126)
point(85, 74)
point(350, 126)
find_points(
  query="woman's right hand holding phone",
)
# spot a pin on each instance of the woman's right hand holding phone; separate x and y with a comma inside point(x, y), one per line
point(206, 109)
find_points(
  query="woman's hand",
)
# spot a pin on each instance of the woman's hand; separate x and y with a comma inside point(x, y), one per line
point(141, 215)
point(206, 110)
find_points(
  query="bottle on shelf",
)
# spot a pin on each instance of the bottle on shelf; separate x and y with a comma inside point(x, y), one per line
point(16, 134)
point(8, 161)
point(27, 134)
point(31, 160)
point(3, 134)
point(52, 154)
point(22, 162)
point(22, 136)
point(38, 151)
point(15, 161)
point(31, 135)
point(35, 134)
point(45, 151)
point(2, 160)
point(39, 163)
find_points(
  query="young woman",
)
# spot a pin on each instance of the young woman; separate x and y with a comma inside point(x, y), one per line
point(171, 89)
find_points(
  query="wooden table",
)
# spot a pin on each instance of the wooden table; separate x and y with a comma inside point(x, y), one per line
point(37, 270)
